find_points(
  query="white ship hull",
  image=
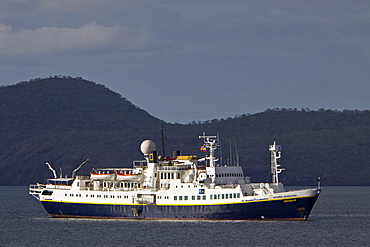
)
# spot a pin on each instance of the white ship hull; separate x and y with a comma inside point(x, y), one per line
point(175, 189)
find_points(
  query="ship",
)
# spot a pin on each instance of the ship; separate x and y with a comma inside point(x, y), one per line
point(180, 187)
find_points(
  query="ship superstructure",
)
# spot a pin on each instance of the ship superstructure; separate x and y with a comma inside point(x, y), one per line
point(177, 187)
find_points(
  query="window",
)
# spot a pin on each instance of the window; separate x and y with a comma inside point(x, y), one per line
point(198, 197)
point(180, 198)
point(211, 197)
point(185, 198)
point(238, 195)
point(204, 197)
point(193, 197)
point(175, 198)
point(223, 196)
point(47, 192)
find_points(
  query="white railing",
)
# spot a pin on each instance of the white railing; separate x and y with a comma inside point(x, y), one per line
point(36, 188)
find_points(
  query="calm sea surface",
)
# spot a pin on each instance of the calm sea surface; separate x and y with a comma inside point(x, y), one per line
point(341, 217)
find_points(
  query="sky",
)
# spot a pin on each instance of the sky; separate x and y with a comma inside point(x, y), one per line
point(187, 60)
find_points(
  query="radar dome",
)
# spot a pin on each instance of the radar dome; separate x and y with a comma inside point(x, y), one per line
point(148, 146)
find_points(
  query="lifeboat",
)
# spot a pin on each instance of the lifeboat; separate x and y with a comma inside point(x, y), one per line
point(129, 177)
point(102, 175)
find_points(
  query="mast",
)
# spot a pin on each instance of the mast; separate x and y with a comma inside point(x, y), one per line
point(275, 156)
point(211, 143)
point(236, 153)
point(163, 140)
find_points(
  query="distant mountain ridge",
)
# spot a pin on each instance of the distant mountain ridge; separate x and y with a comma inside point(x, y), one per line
point(62, 104)
point(65, 120)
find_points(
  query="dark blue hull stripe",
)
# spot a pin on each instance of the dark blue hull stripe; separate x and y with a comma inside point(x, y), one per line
point(297, 209)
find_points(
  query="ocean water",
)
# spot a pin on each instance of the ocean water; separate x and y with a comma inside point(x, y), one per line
point(341, 217)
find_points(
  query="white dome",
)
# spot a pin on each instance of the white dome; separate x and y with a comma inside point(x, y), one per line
point(148, 146)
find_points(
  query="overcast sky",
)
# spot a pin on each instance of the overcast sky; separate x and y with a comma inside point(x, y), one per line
point(188, 60)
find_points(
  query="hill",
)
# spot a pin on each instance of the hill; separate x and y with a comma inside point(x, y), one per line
point(326, 143)
point(66, 120)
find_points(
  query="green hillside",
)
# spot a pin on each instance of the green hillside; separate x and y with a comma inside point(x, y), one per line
point(66, 120)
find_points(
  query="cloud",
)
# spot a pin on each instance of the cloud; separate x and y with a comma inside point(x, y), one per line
point(237, 49)
point(89, 37)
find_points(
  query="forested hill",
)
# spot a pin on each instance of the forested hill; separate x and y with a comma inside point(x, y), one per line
point(64, 104)
point(66, 120)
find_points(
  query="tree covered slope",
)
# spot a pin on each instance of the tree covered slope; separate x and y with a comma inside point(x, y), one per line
point(66, 120)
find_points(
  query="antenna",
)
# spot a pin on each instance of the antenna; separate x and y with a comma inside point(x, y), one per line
point(220, 146)
point(236, 153)
point(163, 140)
point(79, 167)
point(51, 168)
point(231, 155)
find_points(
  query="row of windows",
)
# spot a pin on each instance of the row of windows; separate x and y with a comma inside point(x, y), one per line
point(129, 185)
point(122, 185)
point(180, 198)
point(212, 197)
point(170, 175)
point(225, 196)
point(222, 175)
point(165, 197)
point(165, 185)
point(97, 196)
point(181, 186)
